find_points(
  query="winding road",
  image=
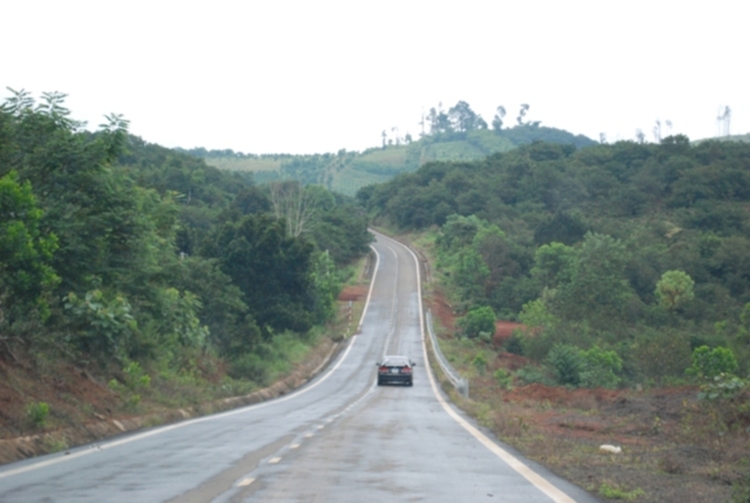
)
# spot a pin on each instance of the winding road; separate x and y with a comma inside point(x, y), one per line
point(339, 438)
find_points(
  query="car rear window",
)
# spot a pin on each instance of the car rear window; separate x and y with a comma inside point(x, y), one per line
point(396, 362)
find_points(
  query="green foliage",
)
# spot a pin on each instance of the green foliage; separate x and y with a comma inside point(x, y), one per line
point(477, 321)
point(567, 363)
point(106, 324)
point(711, 362)
point(657, 354)
point(635, 247)
point(722, 386)
point(674, 288)
point(156, 256)
point(553, 264)
point(256, 251)
point(600, 368)
point(26, 274)
point(597, 290)
point(503, 378)
point(531, 374)
point(37, 413)
point(178, 322)
point(135, 381)
point(616, 493)
point(480, 362)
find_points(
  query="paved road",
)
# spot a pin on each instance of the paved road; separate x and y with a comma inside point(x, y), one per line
point(340, 438)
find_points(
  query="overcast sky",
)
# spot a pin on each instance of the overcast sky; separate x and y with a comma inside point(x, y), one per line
point(319, 76)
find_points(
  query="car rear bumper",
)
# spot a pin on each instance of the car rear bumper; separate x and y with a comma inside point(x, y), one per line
point(395, 378)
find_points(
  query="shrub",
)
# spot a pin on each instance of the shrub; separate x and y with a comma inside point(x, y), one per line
point(600, 368)
point(722, 386)
point(480, 362)
point(477, 321)
point(249, 366)
point(709, 363)
point(515, 344)
point(567, 362)
point(660, 353)
point(504, 378)
point(531, 374)
point(37, 412)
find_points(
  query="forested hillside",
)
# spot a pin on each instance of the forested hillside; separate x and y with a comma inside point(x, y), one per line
point(457, 134)
point(628, 263)
point(120, 254)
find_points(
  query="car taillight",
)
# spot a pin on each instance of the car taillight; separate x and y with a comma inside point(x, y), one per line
point(383, 369)
point(406, 370)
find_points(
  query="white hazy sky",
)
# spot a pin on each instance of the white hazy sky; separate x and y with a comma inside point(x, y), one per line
point(319, 75)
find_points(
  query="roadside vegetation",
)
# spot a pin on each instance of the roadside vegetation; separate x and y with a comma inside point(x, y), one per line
point(618, 279)
point(154, 277)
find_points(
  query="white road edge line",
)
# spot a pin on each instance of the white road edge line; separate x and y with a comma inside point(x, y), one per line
point(537, 480)
point(115, 443)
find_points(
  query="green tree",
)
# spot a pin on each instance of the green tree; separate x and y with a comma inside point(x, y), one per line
point(273, 270)
point(674, 288)
point(26, 275)
point(553, 264)
point(597, 290)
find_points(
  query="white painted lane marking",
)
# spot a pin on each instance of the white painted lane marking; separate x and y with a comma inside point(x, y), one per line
point(537, 480)
point(242, 410)
point(294, 446)
point(273, 461)
point(308, 435)
point(245, 482)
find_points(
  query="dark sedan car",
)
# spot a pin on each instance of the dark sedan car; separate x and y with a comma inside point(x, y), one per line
point(395, 369)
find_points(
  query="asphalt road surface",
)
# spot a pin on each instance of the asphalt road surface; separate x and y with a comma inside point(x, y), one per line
point(339, 438)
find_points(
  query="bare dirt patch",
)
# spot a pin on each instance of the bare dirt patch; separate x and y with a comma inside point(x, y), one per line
point(353, 293)
point(504, 331)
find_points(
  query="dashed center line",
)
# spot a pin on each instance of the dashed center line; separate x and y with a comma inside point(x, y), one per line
point(273, 461)
point(245, 482)
point(294, 446)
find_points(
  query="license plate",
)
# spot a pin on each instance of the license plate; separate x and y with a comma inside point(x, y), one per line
point(394, 371)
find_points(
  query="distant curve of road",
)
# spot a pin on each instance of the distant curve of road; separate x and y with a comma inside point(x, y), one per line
point(339, 438)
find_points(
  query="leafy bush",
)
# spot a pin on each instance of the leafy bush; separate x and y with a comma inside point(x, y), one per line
point(709, 363)
point(504, 378)
point(480, 362)
point(514, 344)
point(37, 412)
point(722, 386)
point(600, 368)
point(249, 366)
point(567, 362)
point(477, 321)
point(531, 374)
point(135, 380)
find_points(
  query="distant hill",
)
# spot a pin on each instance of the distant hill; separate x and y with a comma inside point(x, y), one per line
point(744, 138)
point(347, 172)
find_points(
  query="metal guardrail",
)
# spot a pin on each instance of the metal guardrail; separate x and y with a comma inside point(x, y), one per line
point(461, 384)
